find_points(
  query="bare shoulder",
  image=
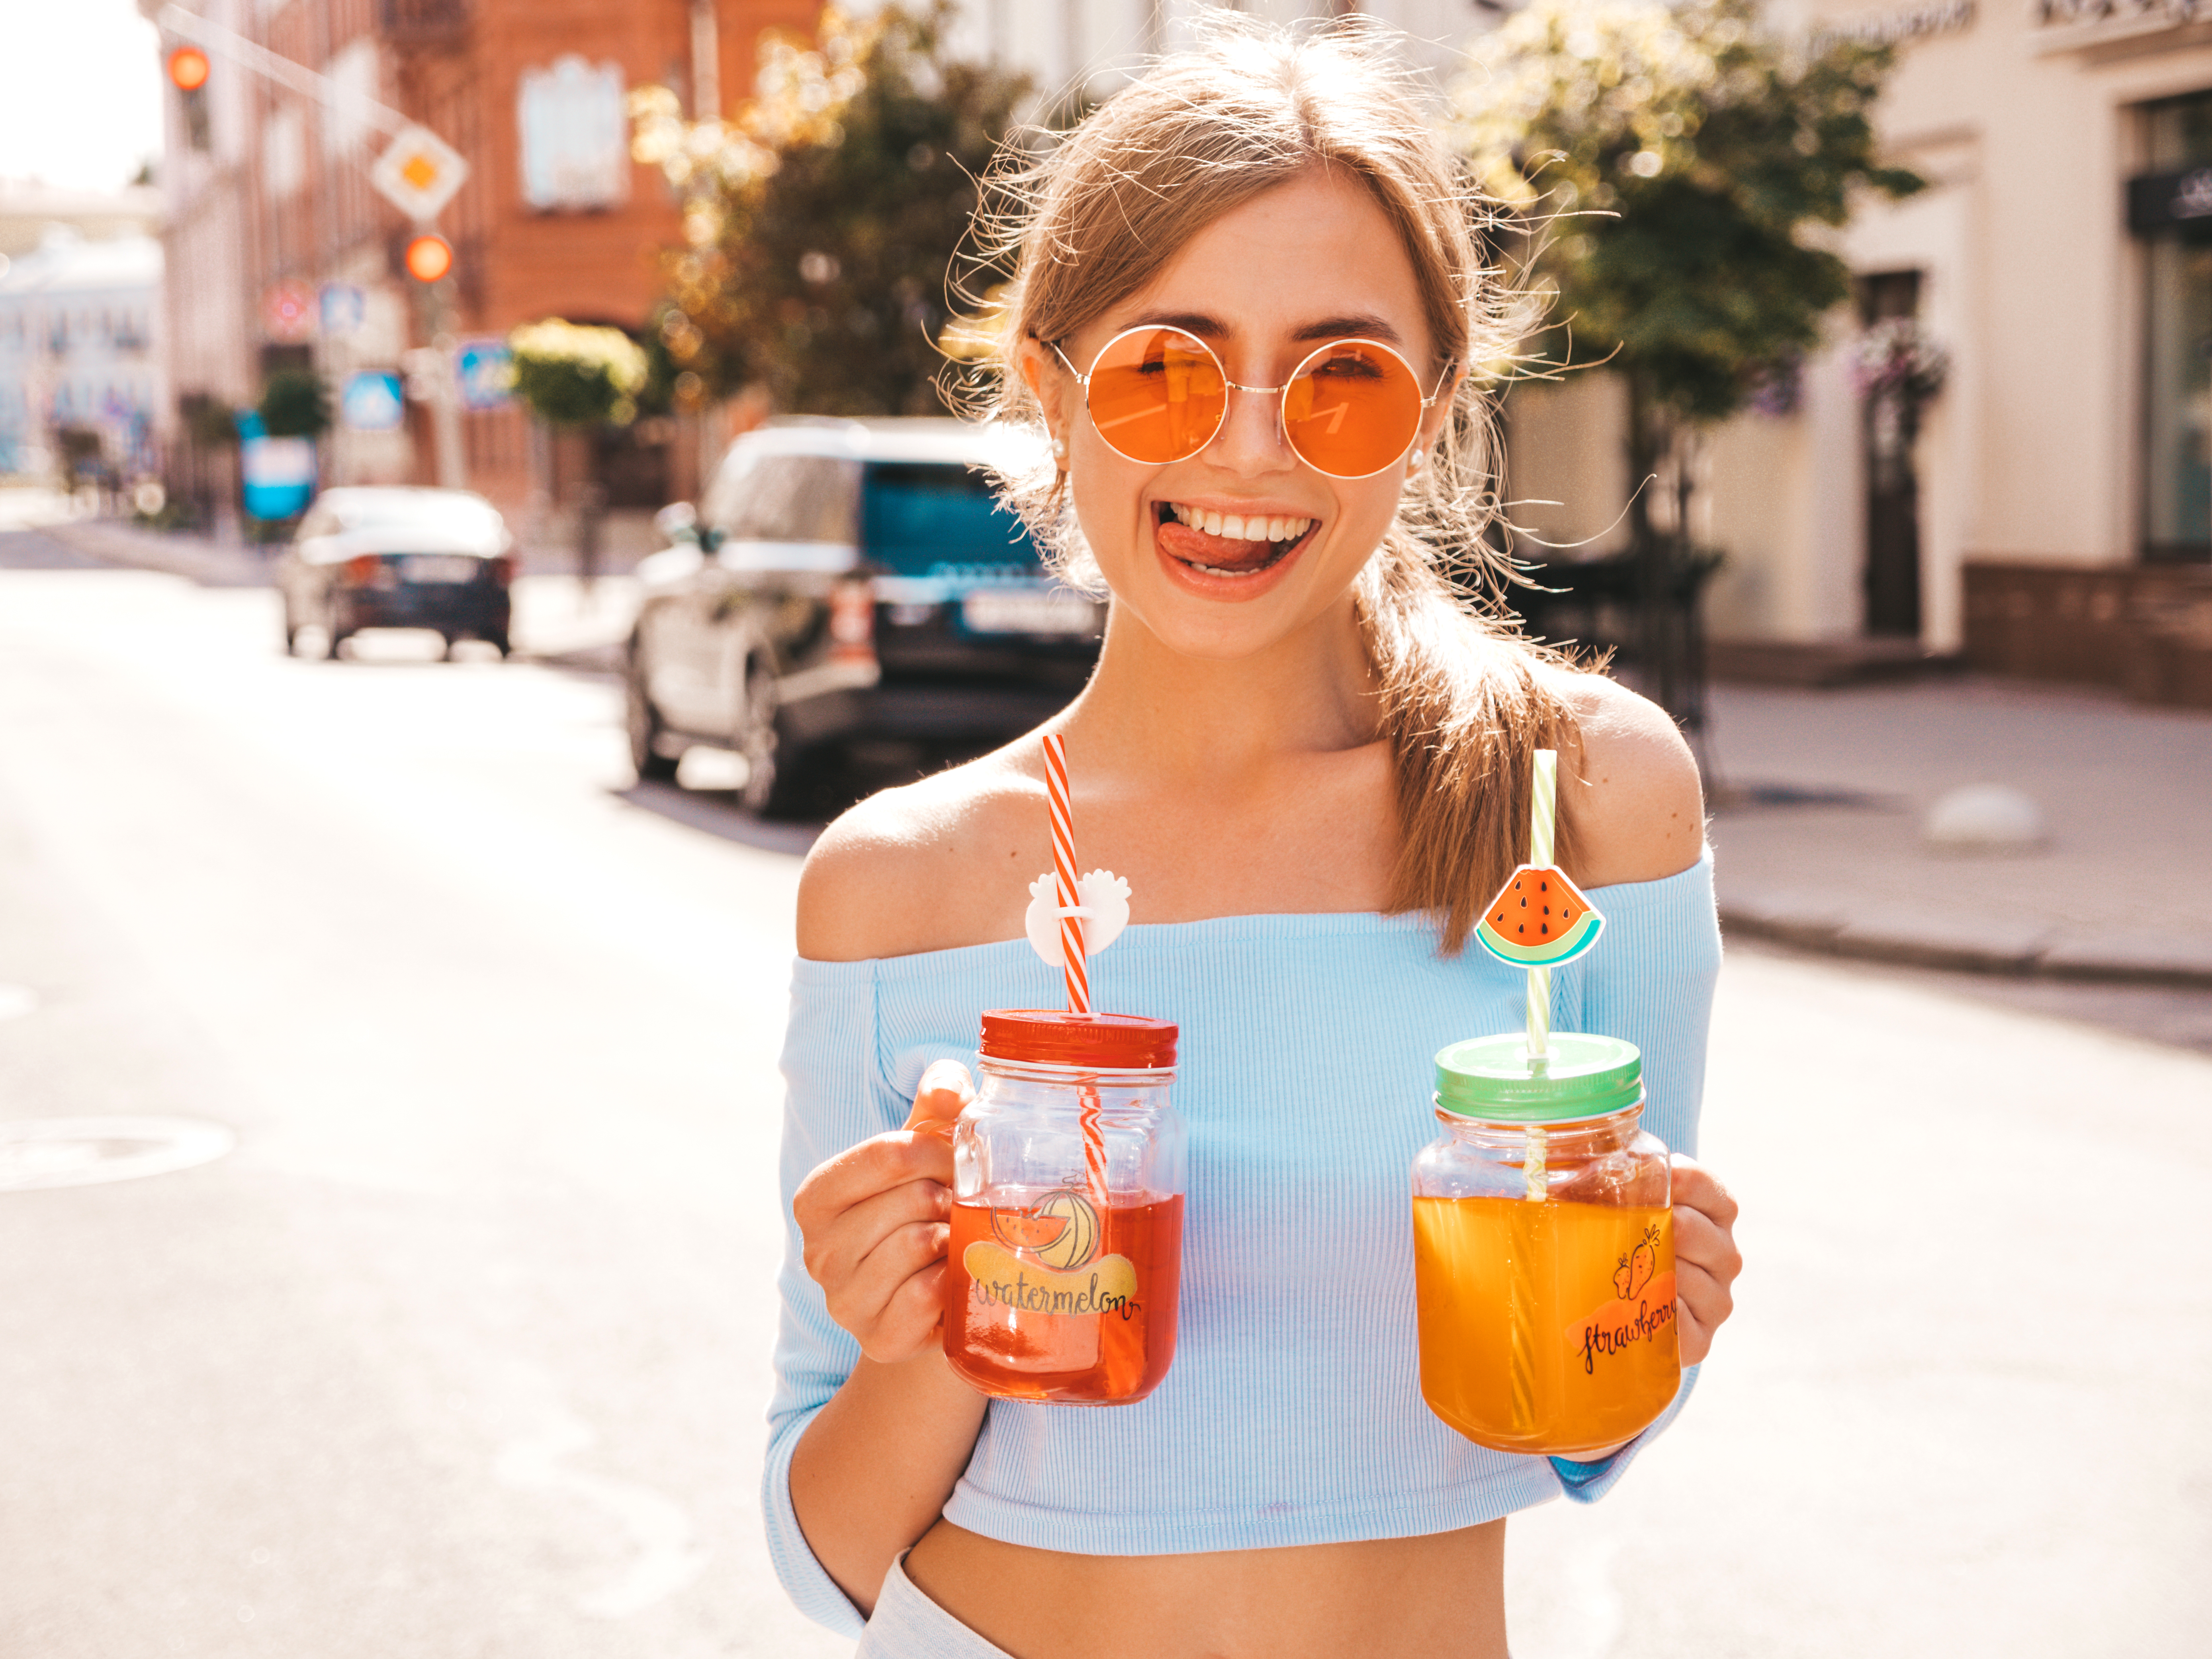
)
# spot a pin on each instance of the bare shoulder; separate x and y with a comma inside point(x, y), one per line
point(923, 867)
point(1631, 789)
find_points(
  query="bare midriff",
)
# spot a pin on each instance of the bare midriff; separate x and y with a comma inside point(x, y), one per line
point(1441, 1596)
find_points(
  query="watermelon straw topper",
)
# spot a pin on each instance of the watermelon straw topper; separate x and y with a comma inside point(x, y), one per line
point(1540, 919)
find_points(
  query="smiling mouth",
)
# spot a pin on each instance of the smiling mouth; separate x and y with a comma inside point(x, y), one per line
point(1225, 544)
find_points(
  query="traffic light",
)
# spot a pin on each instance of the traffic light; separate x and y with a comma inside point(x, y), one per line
point(188, 69)
point(429, 257)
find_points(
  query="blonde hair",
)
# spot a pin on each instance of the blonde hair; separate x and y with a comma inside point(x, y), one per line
point(1099, 214)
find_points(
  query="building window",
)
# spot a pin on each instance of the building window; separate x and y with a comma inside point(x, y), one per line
point(2177, 513)
point(576, 136)
point(284, 155)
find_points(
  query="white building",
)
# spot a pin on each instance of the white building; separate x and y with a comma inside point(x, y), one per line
point(79, 325)
point(2053, 513)
point(1092, 44)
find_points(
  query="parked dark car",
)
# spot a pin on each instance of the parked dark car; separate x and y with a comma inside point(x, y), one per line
point(847, 580)
point(389, 557)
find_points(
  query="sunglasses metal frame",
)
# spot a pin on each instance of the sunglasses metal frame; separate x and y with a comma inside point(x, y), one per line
point(1282, 392)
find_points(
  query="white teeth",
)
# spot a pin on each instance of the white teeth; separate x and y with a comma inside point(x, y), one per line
point(1231, 527)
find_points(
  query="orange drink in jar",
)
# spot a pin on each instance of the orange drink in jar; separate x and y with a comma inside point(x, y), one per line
point(1544, 1249)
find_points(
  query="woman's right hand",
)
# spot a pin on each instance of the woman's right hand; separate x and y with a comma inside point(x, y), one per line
point(874, 1219)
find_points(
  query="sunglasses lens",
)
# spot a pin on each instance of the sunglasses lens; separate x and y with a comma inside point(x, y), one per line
point(1353, 409)
point(1157, 395)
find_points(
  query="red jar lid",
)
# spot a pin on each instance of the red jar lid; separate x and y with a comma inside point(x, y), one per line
point(1047, 1037)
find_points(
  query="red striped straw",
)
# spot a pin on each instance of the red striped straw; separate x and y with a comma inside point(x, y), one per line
point(1071, 942)
point(1063, 870)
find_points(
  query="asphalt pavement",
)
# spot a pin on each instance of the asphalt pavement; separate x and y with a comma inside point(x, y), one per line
point(460, 1348)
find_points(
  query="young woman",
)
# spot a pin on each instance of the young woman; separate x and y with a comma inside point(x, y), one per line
point(1311, 762)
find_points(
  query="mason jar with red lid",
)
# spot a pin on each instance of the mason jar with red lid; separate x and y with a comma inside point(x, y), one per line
point(1067, 1249)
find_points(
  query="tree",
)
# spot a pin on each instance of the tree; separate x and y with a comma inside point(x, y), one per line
point(1672, 165)
point(294, 405)
point(825, 224)
point(574, 375)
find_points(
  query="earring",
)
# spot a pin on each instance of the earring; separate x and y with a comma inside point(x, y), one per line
point(1060, 449)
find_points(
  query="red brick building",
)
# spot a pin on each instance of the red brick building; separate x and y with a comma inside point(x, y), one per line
point(270, 186)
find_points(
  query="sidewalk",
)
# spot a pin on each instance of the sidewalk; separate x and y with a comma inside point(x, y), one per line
point(1820, 796)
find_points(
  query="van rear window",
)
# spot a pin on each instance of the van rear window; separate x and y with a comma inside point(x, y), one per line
point(926, 518)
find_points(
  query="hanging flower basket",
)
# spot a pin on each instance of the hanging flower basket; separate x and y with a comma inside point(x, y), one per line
point(1897, 358)
point(576, 376)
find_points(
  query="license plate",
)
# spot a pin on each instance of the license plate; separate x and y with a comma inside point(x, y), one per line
point(1028, 610)
point(438, 568)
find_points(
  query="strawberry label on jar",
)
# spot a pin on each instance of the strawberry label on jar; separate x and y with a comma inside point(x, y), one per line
point(1637, 1317)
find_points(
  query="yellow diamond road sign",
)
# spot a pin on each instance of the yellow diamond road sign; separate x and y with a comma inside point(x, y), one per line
point(419, 173)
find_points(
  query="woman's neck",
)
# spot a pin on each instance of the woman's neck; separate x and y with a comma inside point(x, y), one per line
point(1182, 718)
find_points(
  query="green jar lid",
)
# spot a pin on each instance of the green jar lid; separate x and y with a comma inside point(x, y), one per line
point(1581, 1076)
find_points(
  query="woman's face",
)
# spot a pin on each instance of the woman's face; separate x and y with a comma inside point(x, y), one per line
point(1312, 260)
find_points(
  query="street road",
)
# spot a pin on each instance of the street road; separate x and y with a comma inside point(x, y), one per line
point(462, 1347)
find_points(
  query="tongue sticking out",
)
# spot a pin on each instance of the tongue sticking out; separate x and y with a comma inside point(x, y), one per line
point(1219, 552)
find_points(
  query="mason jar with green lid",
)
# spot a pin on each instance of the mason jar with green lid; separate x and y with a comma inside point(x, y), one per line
point(1544, 1247)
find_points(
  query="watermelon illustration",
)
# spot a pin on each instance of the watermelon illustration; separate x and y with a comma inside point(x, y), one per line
point(1539, 919)
point(1022, 1229)
point(1078, 1241)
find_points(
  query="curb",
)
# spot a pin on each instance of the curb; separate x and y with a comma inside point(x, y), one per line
point(2029, 954)
point(195, 560)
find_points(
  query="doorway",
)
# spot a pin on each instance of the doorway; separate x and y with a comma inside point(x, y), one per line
point(1890, 425)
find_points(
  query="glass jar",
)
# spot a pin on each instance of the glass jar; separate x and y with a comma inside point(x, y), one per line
point(1066, 1251)
point(1544, 1249)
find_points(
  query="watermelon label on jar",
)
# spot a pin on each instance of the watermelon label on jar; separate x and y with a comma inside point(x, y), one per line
point(1045, 1259)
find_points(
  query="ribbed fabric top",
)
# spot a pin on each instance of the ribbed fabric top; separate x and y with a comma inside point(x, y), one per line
point(1293, 1412)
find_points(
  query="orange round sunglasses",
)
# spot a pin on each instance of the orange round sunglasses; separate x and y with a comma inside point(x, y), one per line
point(1349, 409)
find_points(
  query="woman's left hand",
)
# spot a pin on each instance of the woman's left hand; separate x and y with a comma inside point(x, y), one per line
point(1706, 1261)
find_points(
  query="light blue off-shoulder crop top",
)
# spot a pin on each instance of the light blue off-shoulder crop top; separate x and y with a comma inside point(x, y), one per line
point(1293, 1412)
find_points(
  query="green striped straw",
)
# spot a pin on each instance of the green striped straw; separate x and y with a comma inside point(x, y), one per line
point(1521, 1337)
point(1543, 813)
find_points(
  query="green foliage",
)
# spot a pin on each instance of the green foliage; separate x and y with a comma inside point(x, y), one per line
point(294, 405)
point(210, 423)
point(571, 376)
point(1688, 159)
point(823, 219)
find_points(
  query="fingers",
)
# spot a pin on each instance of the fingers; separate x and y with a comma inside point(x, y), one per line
point(943, 1090)
point(1706, 1259)
point(1701, 1304)
point(875, 1165)
point(1697, 1188)
point(891, 1302)
point(1698, 1242)
point(873, 1224)
point(834, 1251)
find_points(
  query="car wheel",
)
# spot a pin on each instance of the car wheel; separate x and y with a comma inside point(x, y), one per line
point(642, 723)
point(768, 786)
